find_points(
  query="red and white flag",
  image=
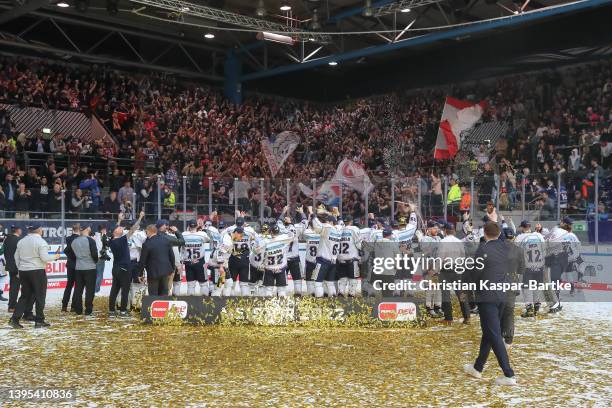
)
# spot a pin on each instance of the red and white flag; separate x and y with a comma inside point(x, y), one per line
point(457, 116)
point(353, 175)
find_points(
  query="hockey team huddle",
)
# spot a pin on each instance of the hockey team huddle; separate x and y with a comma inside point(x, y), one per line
point(238, 261)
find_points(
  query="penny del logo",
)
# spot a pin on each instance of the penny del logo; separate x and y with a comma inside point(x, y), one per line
point(397, 311)
point(163, 308)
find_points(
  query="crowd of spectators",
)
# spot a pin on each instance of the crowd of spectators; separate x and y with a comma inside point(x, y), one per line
point(167, 128)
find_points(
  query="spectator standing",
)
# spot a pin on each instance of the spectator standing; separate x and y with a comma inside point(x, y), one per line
point(157, 258)
point(111, 204)
point(9, 246)
point(23, 199)
point(31, 258)
point(122, 276)
point(86, 253)
point(126, 191)
point(70, 268)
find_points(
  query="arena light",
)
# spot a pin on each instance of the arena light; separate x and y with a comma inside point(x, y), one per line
point(185, 9)
point(315, 24)
point(46, 131)
point(260, 11)
point(210, 36)
point(332, 63)
point(63, 4)
point(285, 6)
point(273, 37)
point(367, 9)
point(406, 10)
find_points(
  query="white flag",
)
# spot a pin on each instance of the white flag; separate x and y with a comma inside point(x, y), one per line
point(276, 153)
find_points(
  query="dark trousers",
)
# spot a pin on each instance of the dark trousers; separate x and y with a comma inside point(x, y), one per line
point(490, 322)
point(85, 280)
point(447, 306)
point(384, 289)
point(70, 282)
point(14, 283)
point(507, 320)
point(33, 289)
point(122, 279)
point(158, 286)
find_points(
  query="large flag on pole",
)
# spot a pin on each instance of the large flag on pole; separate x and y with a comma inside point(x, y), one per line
point(276, 152)
point(351, 174)
point(457, 116)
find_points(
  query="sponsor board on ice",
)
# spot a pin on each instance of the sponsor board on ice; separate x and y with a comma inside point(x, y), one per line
point(168, 308)
point(397, 311)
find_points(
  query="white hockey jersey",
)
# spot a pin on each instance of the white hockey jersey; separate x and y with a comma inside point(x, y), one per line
point(350, 243)
point(135, 244)
point(329, 243)
point(312, 244)
point(242, 246)
point(560, 240)
point(275, 251)
point(534, 249)
point(194, 249)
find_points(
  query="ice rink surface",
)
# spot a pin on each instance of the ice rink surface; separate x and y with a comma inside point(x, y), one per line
point(560, 360)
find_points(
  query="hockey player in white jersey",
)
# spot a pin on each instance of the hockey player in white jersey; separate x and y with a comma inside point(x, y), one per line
point(275, 250)
point(193, 256)
point(138, 288)
point(429, 243)
point(403, 232)
point(312, 240)
point(533, 246)
point(222, 247)
point(347, 263)
point(563, 252)
point(294, 266)
point(327, 252)
point(239, 260)
point(256, 261)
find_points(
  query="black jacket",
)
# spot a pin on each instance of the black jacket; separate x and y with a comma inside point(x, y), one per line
point(70, 256)
point(498, 261)
point(10, 246)
point(156, 257)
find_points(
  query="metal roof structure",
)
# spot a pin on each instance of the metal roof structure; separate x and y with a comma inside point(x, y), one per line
point(217, 40)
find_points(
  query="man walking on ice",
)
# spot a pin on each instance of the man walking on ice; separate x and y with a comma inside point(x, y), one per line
point(491, 304)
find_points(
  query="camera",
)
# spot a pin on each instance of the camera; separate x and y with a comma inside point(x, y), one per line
point(104, 251)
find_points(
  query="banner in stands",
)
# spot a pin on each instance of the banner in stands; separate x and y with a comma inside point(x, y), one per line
point(457, 116)
point(277, 151)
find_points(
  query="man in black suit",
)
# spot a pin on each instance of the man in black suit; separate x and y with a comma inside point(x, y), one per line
point(157, 257)
point(9, 247)
point(70, 268)
point(491, 303)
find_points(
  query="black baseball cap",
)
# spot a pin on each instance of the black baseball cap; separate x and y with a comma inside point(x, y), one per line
point(240, 221)
point(525, 224)
point(192, 224)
